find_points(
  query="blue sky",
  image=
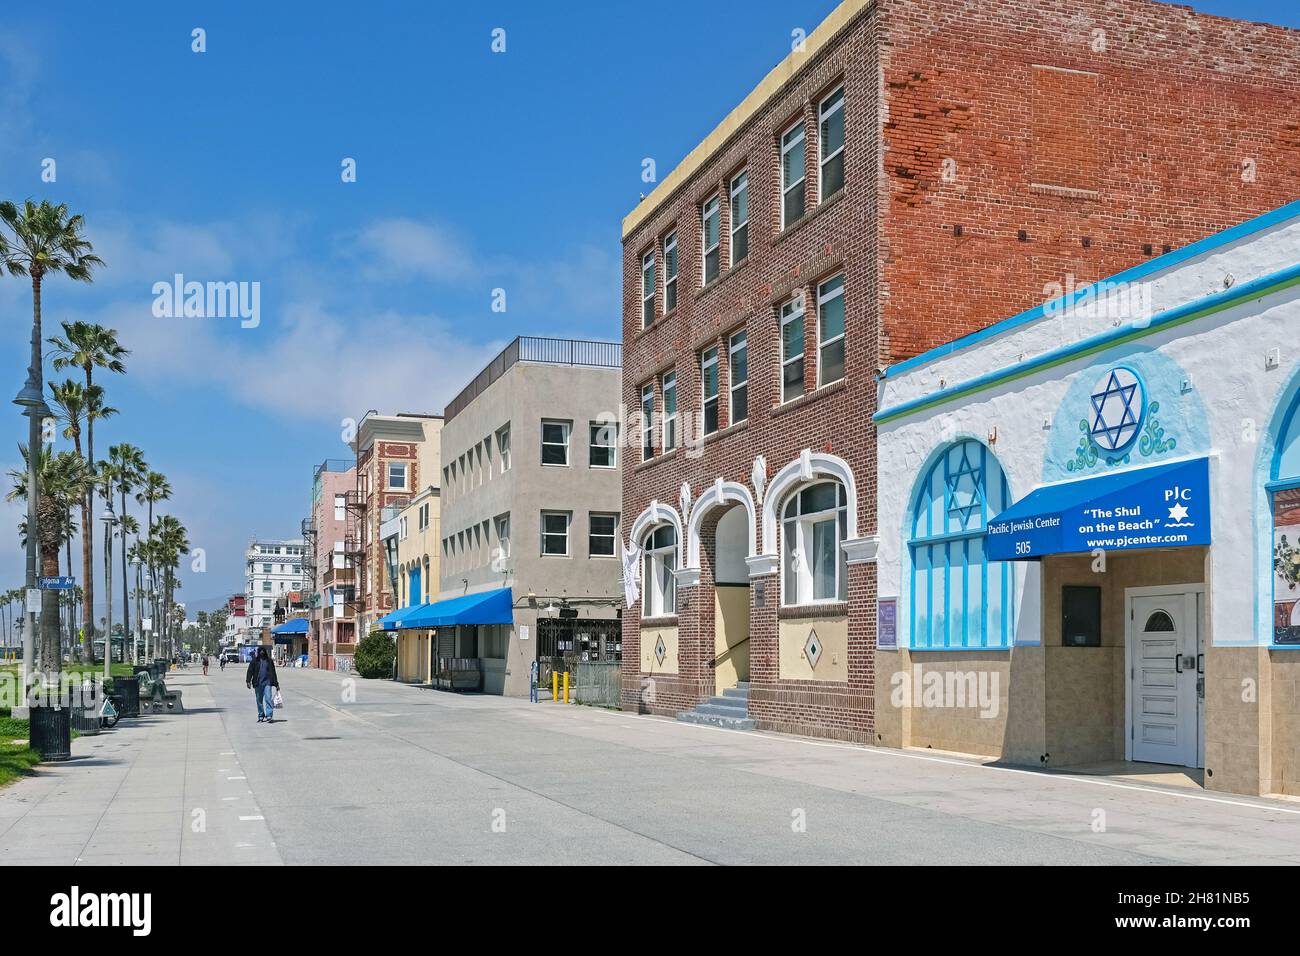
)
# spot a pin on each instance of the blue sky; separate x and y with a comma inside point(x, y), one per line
point(475, 171)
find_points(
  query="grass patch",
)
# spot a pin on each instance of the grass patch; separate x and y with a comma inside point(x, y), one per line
point(16, 760)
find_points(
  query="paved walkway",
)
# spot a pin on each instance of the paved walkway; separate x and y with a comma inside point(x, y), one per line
point(372, 772)
point(164, 789)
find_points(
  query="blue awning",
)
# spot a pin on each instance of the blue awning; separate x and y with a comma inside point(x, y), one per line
point(485, 607)
point(392, 621)
point(1161, 506)
point(297, 626)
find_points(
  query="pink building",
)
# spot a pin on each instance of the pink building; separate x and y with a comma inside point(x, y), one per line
point(330, 576)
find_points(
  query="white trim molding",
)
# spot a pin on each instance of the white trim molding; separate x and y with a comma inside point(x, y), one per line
point(761, 564)
point(719, 493)
point(806, 467)
point(657, 513)
point(861, 550)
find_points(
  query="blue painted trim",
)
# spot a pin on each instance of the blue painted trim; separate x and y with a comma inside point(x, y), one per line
point(1282, 484)
point(1141, 271)
point(1095, 343)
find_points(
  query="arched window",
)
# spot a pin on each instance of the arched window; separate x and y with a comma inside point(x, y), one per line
point(1284, 492)
point(660, 580)
point(813, 526)
point(958, 598)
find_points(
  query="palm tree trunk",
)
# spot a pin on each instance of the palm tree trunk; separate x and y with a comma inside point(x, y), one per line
point(126, 607)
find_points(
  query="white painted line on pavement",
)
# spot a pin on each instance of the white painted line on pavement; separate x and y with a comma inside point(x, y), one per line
point(228, 778)
point(887, 752)
point(229, 798)
point(254, 817)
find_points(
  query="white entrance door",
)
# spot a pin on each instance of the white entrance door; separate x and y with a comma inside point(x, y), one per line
point(1164, 656)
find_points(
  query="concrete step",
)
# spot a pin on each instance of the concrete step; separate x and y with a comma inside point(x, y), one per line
point(737, 693)
point(721, 710)
point(712, 720)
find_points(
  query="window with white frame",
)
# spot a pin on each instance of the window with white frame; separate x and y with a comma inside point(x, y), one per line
point(670, 272)
point(814, 525)
point(648, 289)
point(711, 237)
point(709, 385)
point(555, 442)
point(503, 445)
point(647, 421)
point(555, 533)
point(830, 330)
point(602, 449)
point(340, 506)
point(397, 475)
point(502, 523)
point(740, 217)
point(659, 577)
point(792, 348)
point(738, 352)
point(602, 530)
point(668, 385)
point(792, 175)
point(831, 139)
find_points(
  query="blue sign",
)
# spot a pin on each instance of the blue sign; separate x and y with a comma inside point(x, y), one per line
point(887, 622)
point(1159, 507)
point(62, 583)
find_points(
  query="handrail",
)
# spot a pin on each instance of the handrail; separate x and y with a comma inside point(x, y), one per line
point(730, 648)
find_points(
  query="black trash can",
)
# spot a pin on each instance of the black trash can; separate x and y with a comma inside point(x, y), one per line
point(51, 732)
point(129, 689)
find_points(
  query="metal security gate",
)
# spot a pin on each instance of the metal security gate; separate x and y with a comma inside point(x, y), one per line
point(563, 644)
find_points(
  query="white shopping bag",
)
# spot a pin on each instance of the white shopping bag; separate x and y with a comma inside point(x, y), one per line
point(277, 700)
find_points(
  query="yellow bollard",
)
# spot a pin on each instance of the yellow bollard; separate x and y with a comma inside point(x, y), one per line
point(555, 687)
point(566, 687)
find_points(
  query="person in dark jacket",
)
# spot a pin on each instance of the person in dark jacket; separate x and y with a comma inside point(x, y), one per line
point(261, 678)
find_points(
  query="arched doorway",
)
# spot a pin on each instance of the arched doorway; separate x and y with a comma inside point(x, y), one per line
point(731, 599)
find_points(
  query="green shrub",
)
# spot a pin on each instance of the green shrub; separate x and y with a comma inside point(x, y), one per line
point(374, 655)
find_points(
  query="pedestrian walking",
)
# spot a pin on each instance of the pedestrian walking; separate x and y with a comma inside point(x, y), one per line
point(263, 682)
point(221, 662)
point(205, 665)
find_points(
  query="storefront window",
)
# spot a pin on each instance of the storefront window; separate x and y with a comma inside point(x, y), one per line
point(958, 598)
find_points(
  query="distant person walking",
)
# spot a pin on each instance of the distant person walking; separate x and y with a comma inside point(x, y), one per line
point(261, 678)
point(221, 662)
point(205, 665)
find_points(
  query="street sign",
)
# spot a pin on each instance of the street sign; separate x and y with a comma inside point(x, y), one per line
point(62, 583)
point(33, 601)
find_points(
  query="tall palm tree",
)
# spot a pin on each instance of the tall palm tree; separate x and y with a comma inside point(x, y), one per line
point(153, 489)
point(42, 240)
point(128, 461)
point(61, 477)
point(74, 403)
point(87, 346)
point(173, 541)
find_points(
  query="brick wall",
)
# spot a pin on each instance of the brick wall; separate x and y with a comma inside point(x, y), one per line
point(993, 147)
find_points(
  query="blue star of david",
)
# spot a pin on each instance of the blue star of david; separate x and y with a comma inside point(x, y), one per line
point(965, 489)
point(1105, 431)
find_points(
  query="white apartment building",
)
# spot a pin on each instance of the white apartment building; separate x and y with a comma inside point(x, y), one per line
point(272, 568)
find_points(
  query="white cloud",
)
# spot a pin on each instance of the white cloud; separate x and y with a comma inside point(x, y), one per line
point(404, 248)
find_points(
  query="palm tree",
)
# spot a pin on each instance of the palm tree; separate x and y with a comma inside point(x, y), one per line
point(43, 240)
point(61, 477)
point(153, 489)
point(128, 461)
point(74, 403)
point(172, 543)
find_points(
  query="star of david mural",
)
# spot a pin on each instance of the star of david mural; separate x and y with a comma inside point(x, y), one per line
point(965, 489)
point(1116, 406)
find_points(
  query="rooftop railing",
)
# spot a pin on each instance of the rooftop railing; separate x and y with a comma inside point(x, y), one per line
point(528, 348)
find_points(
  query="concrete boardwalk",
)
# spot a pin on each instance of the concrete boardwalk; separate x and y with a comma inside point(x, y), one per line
point(162, 789)
point(372, 772)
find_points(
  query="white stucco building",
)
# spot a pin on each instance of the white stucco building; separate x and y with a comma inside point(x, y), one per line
point(1088, 523)
point(272, 568)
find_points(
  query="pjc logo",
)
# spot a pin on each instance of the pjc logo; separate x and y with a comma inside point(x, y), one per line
point(1178, 511)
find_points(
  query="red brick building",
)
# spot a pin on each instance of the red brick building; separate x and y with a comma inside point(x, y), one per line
point(913, 173)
